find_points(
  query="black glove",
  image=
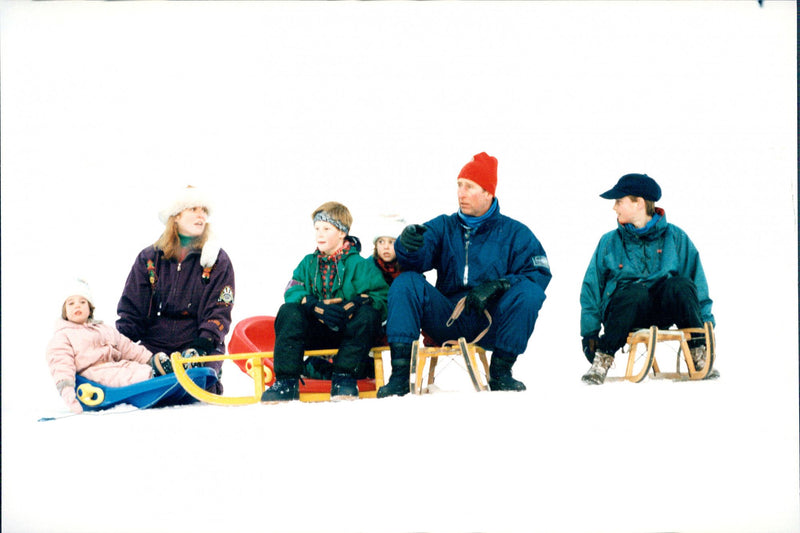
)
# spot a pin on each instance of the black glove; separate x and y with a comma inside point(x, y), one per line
point(479, 297)
point(332, 315)
point(351, 306)
point(309, 304)
point(202, 345)
point(589, 343)
point(412, 238)
point(198, 347)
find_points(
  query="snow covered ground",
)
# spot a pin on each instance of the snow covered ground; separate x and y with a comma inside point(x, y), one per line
point(277, 107)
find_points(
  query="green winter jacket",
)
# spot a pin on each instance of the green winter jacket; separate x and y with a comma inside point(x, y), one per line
point(625, 256)
point(355, 275)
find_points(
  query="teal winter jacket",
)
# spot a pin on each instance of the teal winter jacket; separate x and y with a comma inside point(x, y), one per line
point(355, 275)
point(627, 255)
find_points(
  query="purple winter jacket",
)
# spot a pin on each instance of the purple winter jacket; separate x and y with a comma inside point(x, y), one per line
point(181, 306)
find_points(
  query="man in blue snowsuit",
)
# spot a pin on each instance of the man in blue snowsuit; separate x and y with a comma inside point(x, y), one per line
point(493, 260)
point(646, 272)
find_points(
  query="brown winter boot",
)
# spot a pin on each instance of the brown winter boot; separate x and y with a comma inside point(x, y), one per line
point(597, 372)
point(699, 357)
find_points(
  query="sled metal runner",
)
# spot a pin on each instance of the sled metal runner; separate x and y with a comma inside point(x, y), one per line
point(651, 337)
point(420, 354)
point(262, 374)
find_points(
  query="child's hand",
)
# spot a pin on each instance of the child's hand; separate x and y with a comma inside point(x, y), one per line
point(331, 314)
point(68, 395)
point(352, 305)
point(309, 303)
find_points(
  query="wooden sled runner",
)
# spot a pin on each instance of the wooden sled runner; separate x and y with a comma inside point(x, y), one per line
point(640, 365)
point(255, 337)
point(420, 354)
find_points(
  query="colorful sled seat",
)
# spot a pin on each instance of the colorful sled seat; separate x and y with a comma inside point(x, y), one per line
point(162, 391)
point(257, 335)
point(252, 335)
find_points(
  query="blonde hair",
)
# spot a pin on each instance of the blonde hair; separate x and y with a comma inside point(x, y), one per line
point(337, 211)
point(170, 241)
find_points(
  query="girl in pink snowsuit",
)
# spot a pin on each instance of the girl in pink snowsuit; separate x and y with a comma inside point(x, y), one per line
point(94, 350)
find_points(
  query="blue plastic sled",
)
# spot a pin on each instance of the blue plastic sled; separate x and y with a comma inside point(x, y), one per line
point(162, 391)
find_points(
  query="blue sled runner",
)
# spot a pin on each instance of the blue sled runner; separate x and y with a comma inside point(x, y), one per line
point(162, 391)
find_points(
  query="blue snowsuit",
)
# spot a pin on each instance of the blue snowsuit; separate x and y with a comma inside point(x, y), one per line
point(627, 257)
point(463, 259)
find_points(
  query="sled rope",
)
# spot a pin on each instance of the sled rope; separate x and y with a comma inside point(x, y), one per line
point(457, 313)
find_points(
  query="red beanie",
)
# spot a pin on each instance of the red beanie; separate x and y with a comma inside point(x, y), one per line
point(482, 170)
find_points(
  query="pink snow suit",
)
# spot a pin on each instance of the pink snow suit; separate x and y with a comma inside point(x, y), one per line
point(97, 352)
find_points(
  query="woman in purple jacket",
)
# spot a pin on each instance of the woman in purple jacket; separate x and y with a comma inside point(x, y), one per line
point(179, 293)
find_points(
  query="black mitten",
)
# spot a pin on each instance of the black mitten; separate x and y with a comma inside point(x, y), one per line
point(203, 345)
point(332, 315)
point(589, 343)
point(412, 238)
point(351, 306)
point(309, 304)
point(479, 297)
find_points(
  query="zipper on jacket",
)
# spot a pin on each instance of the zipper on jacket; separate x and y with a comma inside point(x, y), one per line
point(466, 257)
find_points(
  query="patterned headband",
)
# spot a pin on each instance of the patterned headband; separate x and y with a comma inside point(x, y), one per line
point(323, 216)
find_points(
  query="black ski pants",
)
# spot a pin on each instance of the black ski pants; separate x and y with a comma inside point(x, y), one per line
point(295, 332)
point(636, 305)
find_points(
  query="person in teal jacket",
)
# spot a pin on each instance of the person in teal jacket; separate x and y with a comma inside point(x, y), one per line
point(336, 299)
point(646, 272)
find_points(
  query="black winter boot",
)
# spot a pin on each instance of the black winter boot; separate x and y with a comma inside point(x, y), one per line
point(500, 373)
point(343, 387)
point(283, 390)
point(401, 368)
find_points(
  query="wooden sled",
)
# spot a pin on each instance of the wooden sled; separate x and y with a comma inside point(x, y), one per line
point(460, 348)
point(310, 392)
point(420, 355)
point(640, 365)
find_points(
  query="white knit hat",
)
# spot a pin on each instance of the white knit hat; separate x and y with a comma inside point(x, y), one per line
point(186, 198)
point(388, 226)
point(79, 287)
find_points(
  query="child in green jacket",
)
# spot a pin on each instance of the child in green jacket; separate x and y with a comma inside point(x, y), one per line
point(336, 299)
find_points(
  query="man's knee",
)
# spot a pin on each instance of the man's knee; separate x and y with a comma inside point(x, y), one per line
point(523, 297)
point(407, 290)
point(407, 282)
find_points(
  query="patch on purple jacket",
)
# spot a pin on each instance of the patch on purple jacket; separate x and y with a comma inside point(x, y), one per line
point(226, 295)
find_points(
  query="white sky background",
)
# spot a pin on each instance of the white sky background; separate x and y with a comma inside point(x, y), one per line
point(277, 107)
point(107, 108)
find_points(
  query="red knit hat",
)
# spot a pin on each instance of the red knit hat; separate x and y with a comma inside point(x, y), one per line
point(482, 170)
